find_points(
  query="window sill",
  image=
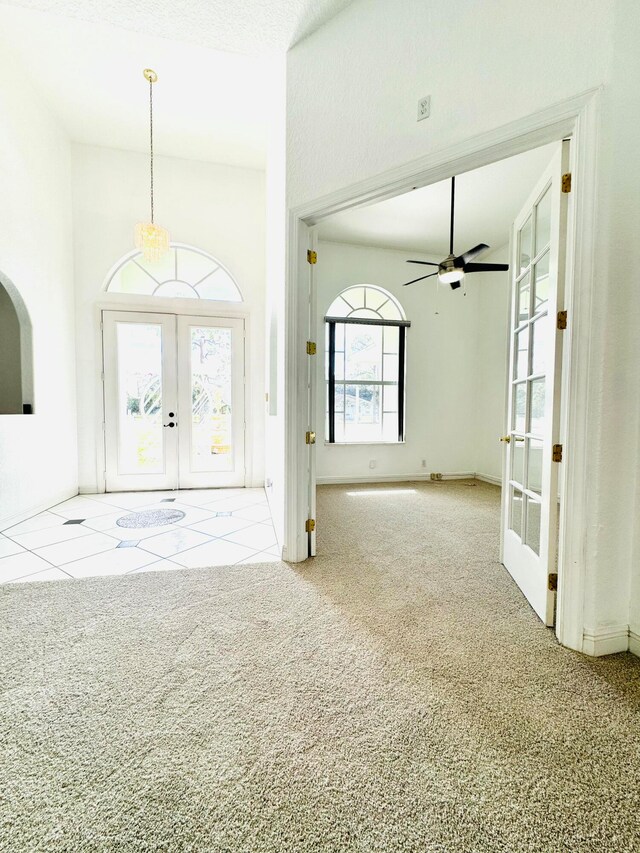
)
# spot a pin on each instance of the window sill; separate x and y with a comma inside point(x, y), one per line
point(363, 443)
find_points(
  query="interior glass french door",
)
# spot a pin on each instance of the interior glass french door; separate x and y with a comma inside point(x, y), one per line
point(174, 401)
point(530, 485)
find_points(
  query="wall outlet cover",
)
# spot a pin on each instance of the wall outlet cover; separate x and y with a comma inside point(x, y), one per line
point(424, 108)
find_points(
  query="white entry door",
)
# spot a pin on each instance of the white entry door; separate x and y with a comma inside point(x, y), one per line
point(174, 401)
point(530, 482)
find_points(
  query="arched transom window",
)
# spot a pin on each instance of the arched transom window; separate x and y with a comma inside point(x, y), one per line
point(183, 272)
point(366, 300)
point(365, 367)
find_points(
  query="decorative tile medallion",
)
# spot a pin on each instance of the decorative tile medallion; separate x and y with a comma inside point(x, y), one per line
point(150, 518)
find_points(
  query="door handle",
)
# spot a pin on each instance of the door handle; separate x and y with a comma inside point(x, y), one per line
point(170, 424)
point(507, 438)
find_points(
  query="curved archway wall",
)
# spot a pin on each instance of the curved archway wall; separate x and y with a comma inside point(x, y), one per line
point(218, 209)
point(16, 351)
point(38, 453)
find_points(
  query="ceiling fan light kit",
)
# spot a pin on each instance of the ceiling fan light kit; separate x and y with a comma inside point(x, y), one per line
point(451, 271)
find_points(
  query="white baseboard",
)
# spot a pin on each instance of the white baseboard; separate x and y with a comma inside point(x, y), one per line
point(634, 641)
point(489, 478)
point(10, 520)
point(391, 478)
point(606, 641)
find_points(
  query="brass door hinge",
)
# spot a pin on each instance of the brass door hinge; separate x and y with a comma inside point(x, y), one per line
point(311, 348)
point(312, 257)
point(310, 437)
point(553, 581)
point(566, 182)
point(310, 525)
point(557, 453)
point(562, 320)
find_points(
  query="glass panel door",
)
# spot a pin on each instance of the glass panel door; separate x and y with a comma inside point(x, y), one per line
point(530, 486)
point(211, 401)
point(140, 401)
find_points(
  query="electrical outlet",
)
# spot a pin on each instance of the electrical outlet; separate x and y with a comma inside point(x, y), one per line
point(372, 463)
point(436, 476)
point(424, 108)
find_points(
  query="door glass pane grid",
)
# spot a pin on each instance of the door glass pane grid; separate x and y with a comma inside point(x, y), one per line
point(140, 430)
point(211, 395)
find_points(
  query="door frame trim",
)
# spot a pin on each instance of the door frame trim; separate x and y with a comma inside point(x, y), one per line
point(178, 307)
point(577, 117)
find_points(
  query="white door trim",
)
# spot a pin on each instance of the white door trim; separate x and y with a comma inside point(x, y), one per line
point(578, 118)
point(204, 308)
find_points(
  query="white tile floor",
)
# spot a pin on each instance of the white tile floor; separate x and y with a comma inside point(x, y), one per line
point(82, 538)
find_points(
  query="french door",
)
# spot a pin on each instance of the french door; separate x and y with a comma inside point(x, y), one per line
point(174, 401)
point(533, 450)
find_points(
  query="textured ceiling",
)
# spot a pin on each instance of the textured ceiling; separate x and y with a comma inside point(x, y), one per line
point(208, 105)
point(487, 202)
point(243, 26)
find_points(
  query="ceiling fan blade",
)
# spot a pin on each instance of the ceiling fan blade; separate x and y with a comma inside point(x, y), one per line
point(422, 278)
point(427, 263)
point(486, 267)
point(463, 260)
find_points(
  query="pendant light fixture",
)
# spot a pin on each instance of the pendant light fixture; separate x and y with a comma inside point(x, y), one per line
point(152, 239)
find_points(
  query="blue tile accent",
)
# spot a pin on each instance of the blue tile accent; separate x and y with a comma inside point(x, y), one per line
point(128, 543)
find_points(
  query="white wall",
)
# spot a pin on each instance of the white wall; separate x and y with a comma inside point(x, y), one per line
point(491, 364)
point(364, 71)
point(456, 367)
point(38, 461)
point(274, 367)
point(220, 209)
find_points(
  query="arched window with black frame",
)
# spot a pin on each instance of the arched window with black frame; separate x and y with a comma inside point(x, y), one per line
point(365, 367)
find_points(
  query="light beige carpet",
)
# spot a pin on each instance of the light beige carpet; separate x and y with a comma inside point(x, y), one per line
point(395, 694)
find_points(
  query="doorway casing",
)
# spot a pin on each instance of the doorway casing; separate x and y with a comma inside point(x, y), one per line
point(576, 118)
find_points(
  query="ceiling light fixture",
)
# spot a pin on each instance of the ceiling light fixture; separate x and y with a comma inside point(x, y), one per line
point(152, 239)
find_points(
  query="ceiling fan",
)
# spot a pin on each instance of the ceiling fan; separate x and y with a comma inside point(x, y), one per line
point(453, 268)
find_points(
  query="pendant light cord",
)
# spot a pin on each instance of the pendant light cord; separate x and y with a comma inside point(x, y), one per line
point(151, 140)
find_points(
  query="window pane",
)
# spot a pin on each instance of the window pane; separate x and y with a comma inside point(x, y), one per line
point(525, 245)
point(363, 413)
point(211, 403)
point(519, 406)
point(532, 538)
point(390, 368)
point(522, 354)
point(163, 269)
point(536, 425)
point(390, 396)
point(390, 427)
point(354, 297)
point(219, 286)
point(389, 311)
point(365, 314)
point(375, 298)
point(176, 289)
point(539, 346)
point(517, 459)
point(363, 352)
point(534, 470)
point(339, 365)
point(515, 516)
point(524, 292)
point(543, 221)
point(133, 279)
point(391, 335)
point(340, 337)
point(141, 442)
point(193, 267)
point(339, 399)
point(541, 289)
